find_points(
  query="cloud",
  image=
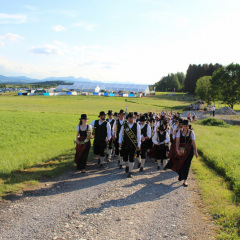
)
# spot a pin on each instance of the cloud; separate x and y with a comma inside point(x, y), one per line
point(12, 18)
point(85, 25)
point(46, 50)
point(58, 28)
point(9, 37)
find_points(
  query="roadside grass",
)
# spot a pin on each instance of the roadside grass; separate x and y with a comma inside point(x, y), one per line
point(218, 199)
point(219, 146)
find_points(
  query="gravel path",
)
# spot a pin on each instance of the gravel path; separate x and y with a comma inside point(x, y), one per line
point(104, 204)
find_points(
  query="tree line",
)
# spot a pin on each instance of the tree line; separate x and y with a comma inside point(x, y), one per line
point(209, 82)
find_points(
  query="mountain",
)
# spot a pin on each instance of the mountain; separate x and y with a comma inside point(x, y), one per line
point(70, 79)
point(17, 80)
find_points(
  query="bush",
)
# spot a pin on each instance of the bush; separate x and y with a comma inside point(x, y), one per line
point(213, 122)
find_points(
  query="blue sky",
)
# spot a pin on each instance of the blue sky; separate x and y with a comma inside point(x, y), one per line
point(126, 40)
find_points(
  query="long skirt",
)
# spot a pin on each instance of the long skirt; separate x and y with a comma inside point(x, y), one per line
point(82, 155)
point(181, 164)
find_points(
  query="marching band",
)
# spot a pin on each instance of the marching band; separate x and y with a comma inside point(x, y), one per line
point(140, 137)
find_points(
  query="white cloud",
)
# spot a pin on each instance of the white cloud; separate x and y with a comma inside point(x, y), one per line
point(87, 26)
point(9, 37)
point(12, 18)
point(15, 68)
point(46, 50)
point(58, 28)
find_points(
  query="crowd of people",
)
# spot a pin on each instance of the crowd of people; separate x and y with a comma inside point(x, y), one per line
point(162, 137)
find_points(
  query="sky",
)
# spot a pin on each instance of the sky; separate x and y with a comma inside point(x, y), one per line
point(137, 41)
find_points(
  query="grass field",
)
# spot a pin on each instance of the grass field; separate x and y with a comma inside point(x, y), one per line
point(219, 146)
point(37, 133)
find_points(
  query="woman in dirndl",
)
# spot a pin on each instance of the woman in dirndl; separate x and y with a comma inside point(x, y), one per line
point(84, 134)
point(181, 157)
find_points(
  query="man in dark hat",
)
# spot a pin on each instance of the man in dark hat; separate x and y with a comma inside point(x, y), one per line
point(145, 136)
point(130, 140)
point(160, 139)
point(110, 144)
point(102, 132)
point(115, 133)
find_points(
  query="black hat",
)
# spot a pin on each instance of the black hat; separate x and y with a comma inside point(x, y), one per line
point(142, 119)
point(83, 116)
point(146, 115)
point(185, 122)
point(150, 114)
point(115, 114)
point(180, 120)
point(162, 117)
point(122, 111)
point(135, 113)
point(161, 128)
point(102, 113)
point(165, 122)
point(130, 115)
point(151, 120)
point(110, 112)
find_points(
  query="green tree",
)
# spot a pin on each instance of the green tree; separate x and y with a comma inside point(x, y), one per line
point(181, 79)
point(173, 82)
point(203, 88)
point(225, 84)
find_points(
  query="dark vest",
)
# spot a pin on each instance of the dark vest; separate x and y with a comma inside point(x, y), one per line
point(185, 139)
point(119, 126)
point(162, 137)
point(100, 131)
point(144, 130)
point(111, 123)
point(129, 139)
point(83, 133)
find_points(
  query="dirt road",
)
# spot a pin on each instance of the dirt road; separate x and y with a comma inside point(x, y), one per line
point(104, 204)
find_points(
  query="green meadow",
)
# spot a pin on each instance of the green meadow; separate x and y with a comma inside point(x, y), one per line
point(37, 134)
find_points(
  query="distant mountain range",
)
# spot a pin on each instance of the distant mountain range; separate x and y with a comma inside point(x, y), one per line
point(25, 80)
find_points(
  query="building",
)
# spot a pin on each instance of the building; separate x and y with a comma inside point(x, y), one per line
point(95, 87)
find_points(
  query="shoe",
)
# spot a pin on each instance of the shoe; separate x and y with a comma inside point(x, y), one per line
point(165, 168)
point(106, 155)
point(108, 160)
point(141, 169)
point(127, 169)
point(139, 165)
point(83, 171)
point(120, 167)
point(129, 175)
point(101, 166)
point(185, 184)
point(158, 168)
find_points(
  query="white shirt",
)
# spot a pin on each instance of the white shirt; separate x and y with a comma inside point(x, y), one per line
point(155, 138)
point(192, 134)
point(121, 122)
point(148, 130)
point(108, 128)
point(138, 134)
point(89, 128)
